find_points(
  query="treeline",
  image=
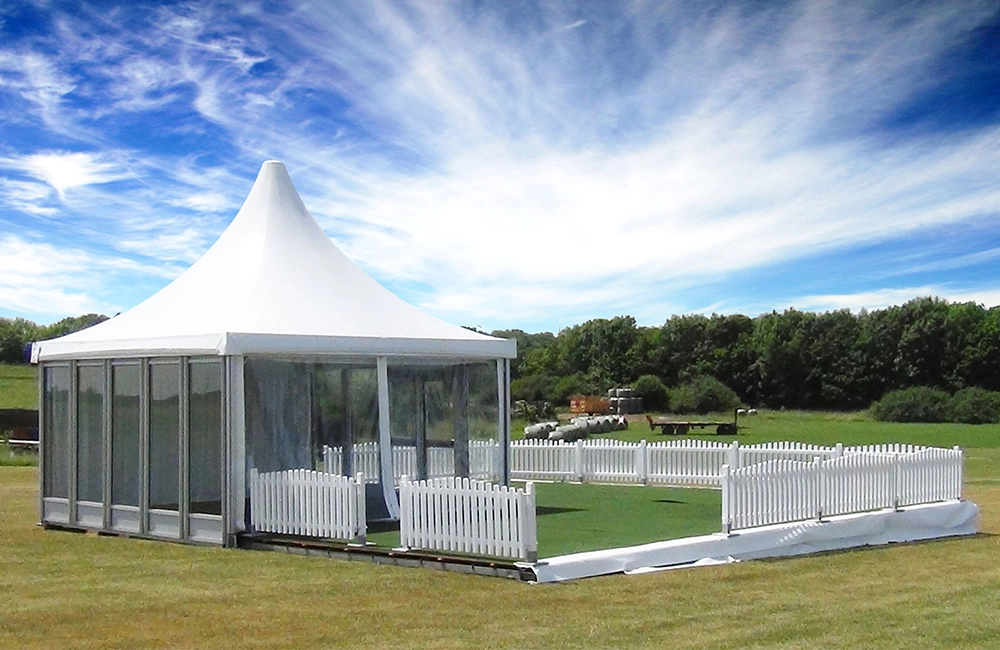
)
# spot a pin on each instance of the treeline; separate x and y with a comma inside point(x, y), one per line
point(17, 333)
point(793, 359)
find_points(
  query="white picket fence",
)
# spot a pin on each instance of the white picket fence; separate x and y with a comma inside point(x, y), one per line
point(468, 516)
point(483, 460)
point(673, 462)
point(304, 502)
point(689, 462)
point(783, 490)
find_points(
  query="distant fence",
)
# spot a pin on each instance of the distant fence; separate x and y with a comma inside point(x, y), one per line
point(304, 502)
point(468, 516)
point(364, 457)
point(671, 462)
point(779, 490)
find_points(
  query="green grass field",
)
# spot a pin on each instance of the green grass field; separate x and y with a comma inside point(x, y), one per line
point(67, 590)
point(18, 387)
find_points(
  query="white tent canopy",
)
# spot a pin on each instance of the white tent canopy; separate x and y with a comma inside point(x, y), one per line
point(274, 283)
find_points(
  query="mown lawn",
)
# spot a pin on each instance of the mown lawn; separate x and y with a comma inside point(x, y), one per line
point(18, 387)
point(65, 590)
point(827, 429)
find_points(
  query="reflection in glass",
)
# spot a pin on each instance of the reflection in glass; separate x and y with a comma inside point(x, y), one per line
point(205, 445)
point(57, 448)
point(125, 473)
point(164, 433)
point(89, 433)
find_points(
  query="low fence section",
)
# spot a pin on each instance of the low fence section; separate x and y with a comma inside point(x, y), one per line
point(689, 462)
point(613, 461)
point(781, 491)
point(546, 460)
point(468, 516)
point(673, 462)
point(800, 451)
point(309, 503)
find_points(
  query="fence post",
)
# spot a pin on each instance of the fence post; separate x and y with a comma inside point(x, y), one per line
point(897, 481)
point(578, 460)
point(256, 502)
point(727, 518)
point(529, 531)
point(734, 455)
point(820, 486)
point(361, 536)
point(961, 470)
point(406, 514)
point(838, 451)
point(642, 464)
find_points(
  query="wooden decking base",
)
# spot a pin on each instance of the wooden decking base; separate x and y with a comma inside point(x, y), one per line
point(354, 552)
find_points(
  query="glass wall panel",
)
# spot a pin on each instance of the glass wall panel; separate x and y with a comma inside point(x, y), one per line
point(57, 431)
point(483, 408)
point(205, 442)
point(445, 418)
point(89, 433)
point(345, 419)
point(125, 459)
point(279, 418)
point(164, 434)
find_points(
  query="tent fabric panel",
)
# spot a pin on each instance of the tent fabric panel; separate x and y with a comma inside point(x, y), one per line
point(272, 276)
point(168, 346)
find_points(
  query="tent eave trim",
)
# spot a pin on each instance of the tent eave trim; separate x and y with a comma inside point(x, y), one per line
point(239, 344)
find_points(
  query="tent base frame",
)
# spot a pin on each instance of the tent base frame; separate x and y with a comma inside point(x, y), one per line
point(356, 553)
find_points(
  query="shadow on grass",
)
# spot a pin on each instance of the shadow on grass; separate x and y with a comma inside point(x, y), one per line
point(383, 526)
point(553, 510)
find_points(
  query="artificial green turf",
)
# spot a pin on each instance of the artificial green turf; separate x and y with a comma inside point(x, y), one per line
point(572, 517)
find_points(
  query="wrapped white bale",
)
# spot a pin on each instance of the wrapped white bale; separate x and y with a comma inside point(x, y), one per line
point(568, 433)
point(536, 431)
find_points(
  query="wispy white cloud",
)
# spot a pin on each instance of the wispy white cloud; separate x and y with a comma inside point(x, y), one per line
point(184, 246)
point(205, 202)
point(36, 79)
point(27, 196)
point(517, 161)
point(881, 298)
point(65, 170)
point(38, 278)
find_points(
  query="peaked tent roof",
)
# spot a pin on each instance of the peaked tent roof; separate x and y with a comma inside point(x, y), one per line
point(274, 283)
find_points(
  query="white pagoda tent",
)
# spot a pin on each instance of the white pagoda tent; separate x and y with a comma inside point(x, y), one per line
point(270, 348)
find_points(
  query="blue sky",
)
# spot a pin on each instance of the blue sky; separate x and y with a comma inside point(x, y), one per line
point(512, 164)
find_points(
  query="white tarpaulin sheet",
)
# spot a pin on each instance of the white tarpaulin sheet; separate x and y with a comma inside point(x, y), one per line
point(913, 523)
